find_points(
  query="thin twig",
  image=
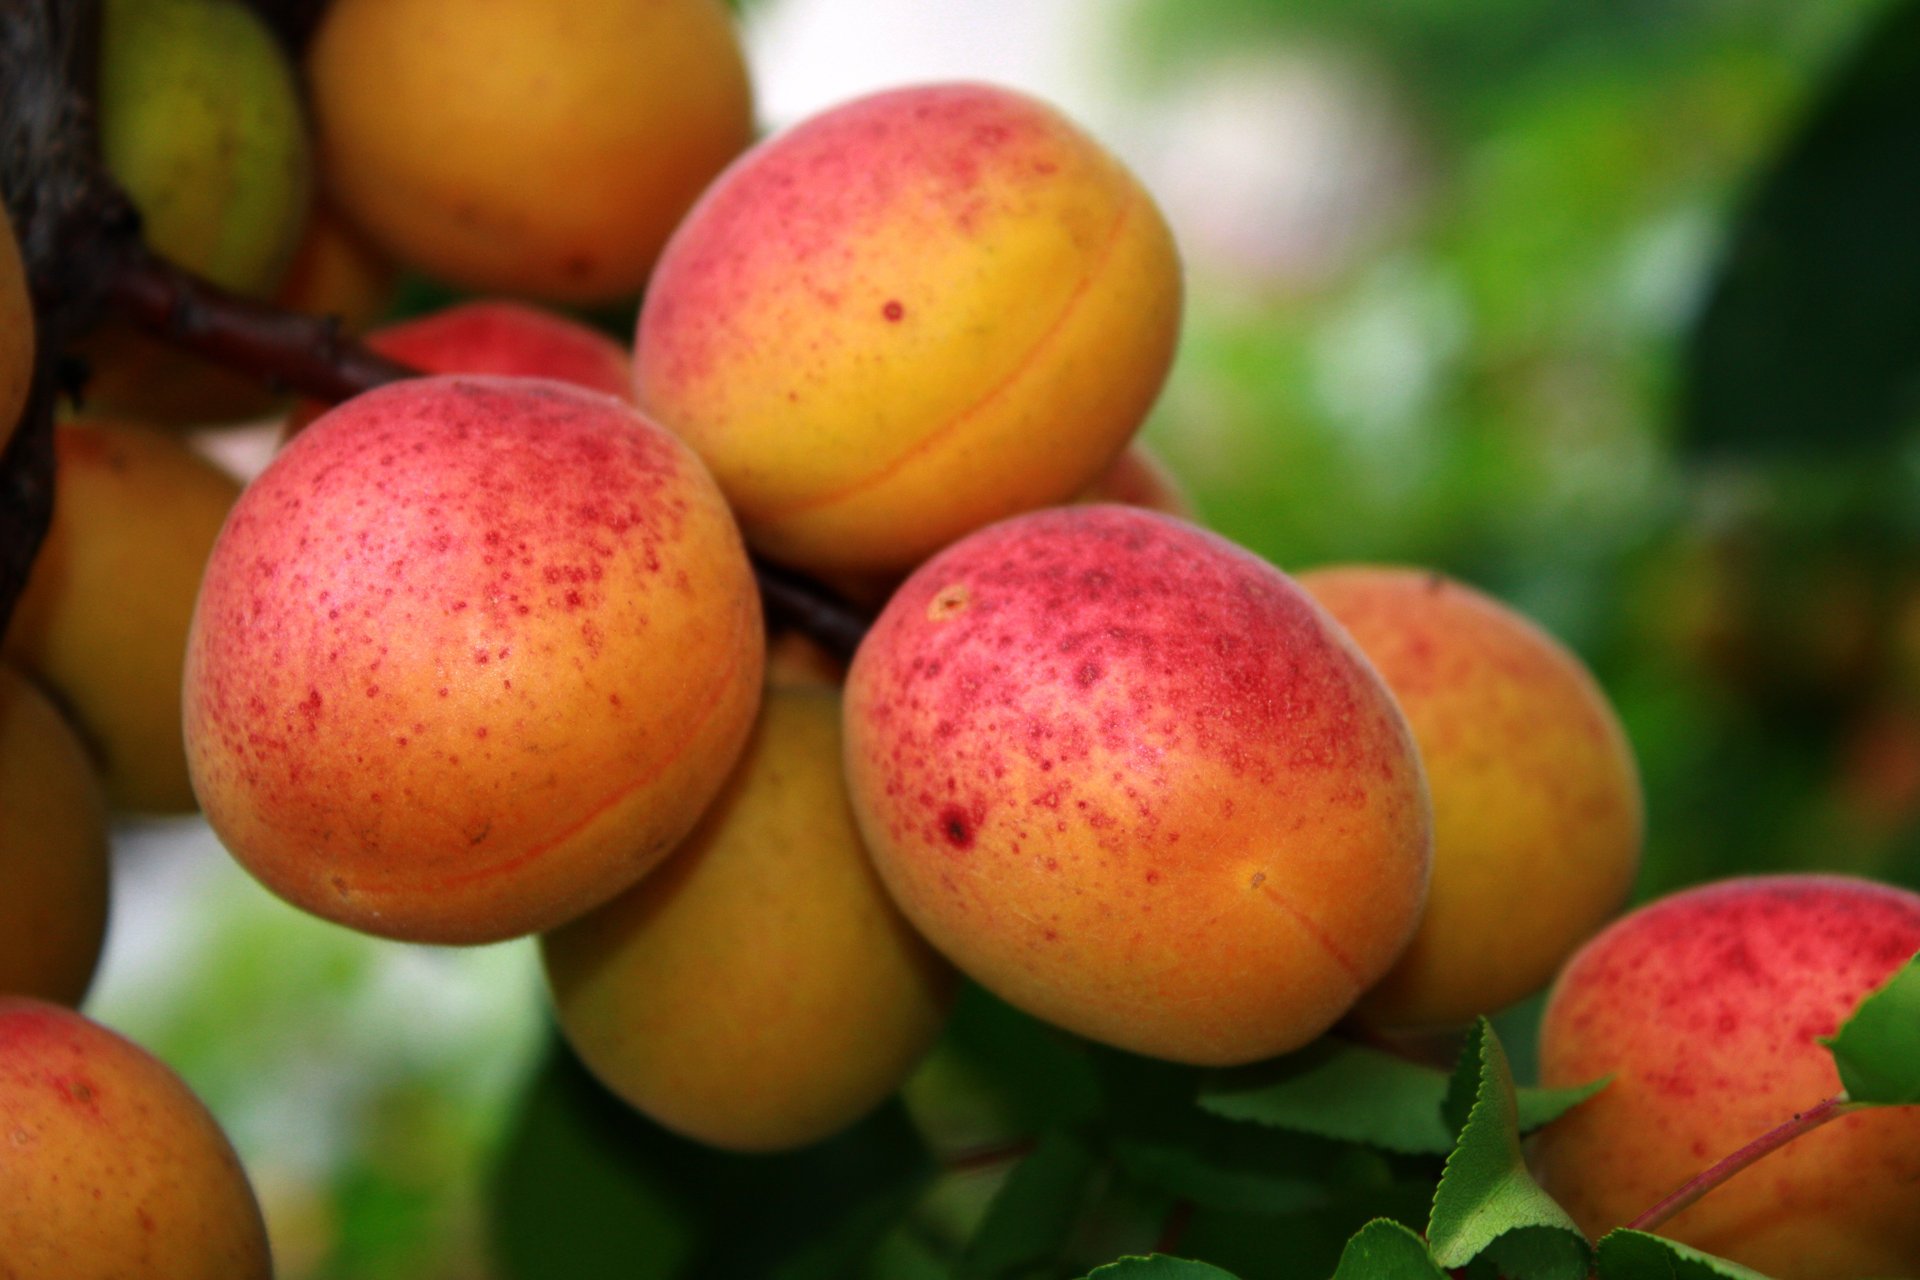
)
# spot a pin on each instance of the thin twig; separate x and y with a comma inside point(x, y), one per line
point(1709, 1178)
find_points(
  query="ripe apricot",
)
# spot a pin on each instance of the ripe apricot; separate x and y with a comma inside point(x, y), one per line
point(1537, 814)
point(103, 620)
point(491, 336)
point(113, 1168)
point(760, 991)
point(1704, 1008)
point(1131, 778)
point(906, 317)
point(1138, 478)
point(470, 657)
point(16, 332)
point(527, 147)
point(53, 851)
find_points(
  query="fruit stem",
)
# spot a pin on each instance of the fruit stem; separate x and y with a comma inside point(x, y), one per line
point(304, 353)
point(1707, 1179)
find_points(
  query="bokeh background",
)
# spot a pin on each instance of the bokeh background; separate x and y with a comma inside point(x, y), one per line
point(1529, 291)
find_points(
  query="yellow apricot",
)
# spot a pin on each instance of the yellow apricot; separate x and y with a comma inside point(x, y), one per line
point(907, 317)
point(1537, 814)
point(760, 991)
point(104, 617)
point(523, 146)
point(53, 851)
point(16, 331)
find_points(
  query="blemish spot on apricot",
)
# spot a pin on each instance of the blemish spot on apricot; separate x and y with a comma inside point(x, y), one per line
point(956, 827)
point(949, 602)
point(893, 311)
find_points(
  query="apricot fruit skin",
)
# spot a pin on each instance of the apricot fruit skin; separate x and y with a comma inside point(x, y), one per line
point(526, 147)
point(1138, 478)
point(53, 851)
point(1130, 778)
point(907, 317)
point(470, 657)
point(16, 332)
point(1537, 811)
point(113, 1167)
point(1704, 1007)
point(502, 337)
point(759, 991)
point(103, 619)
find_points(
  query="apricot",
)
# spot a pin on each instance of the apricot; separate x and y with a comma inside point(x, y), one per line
point(103, 620)
point(1704, 1008)
point(1138, 478)
point(1537, 813)
point(527, 147)
point(470, 656)
point(1129, 777)
point(907, 317)
point(500, 337)
point(53, 852)
point(113, 1167)
point(16, 332)
point(337, 272)
point(760, 991)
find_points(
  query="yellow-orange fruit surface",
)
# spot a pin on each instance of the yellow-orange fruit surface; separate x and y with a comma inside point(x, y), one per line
point(760, 991)
point(470, 657)
point(53, 852)
point(1130, 778)
point(104, 616)
point(112, 1168)
point(523, 146)
point(1705, 1008)
point(907, 317)
point(1537, 813)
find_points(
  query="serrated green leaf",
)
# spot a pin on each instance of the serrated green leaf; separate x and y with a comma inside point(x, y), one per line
point(1878, 1048)
point(1354, 1093)
point(1487, 1202)
point(1636, 1255)
point(1809, 344)
point(1158, 1267)
point(1336, 1089)
point(1386, 1250)
point(1033, 1215)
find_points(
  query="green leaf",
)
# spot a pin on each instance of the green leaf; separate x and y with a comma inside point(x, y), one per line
point(1878, 1048)
point(1635, 1255)
point(1386, 1250)
point(588, 1188)
point(1336, 1089)
point(1487, 1203)
point(1348, 1092)
point(1158, 1267)
point(1042, 1076)
point(1810, 340)
point(1033, 1216)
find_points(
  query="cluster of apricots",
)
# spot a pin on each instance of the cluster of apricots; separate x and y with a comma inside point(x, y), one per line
point(481, 654)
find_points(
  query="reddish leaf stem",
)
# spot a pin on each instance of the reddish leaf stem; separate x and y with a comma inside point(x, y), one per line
point(1707, 1179)
point(991, 1156)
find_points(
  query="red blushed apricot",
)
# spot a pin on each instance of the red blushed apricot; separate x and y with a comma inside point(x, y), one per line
point(53, 852)
point(907, 317)
point(760, 991)
point(1132, 779)
point(470, 656)
point(1704, 1007)
point(112, 1167)
point(523, 146)
point(1537, 816)
point(493, 336)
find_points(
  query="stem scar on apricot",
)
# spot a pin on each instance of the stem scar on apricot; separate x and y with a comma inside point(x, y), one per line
point(950, 601)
